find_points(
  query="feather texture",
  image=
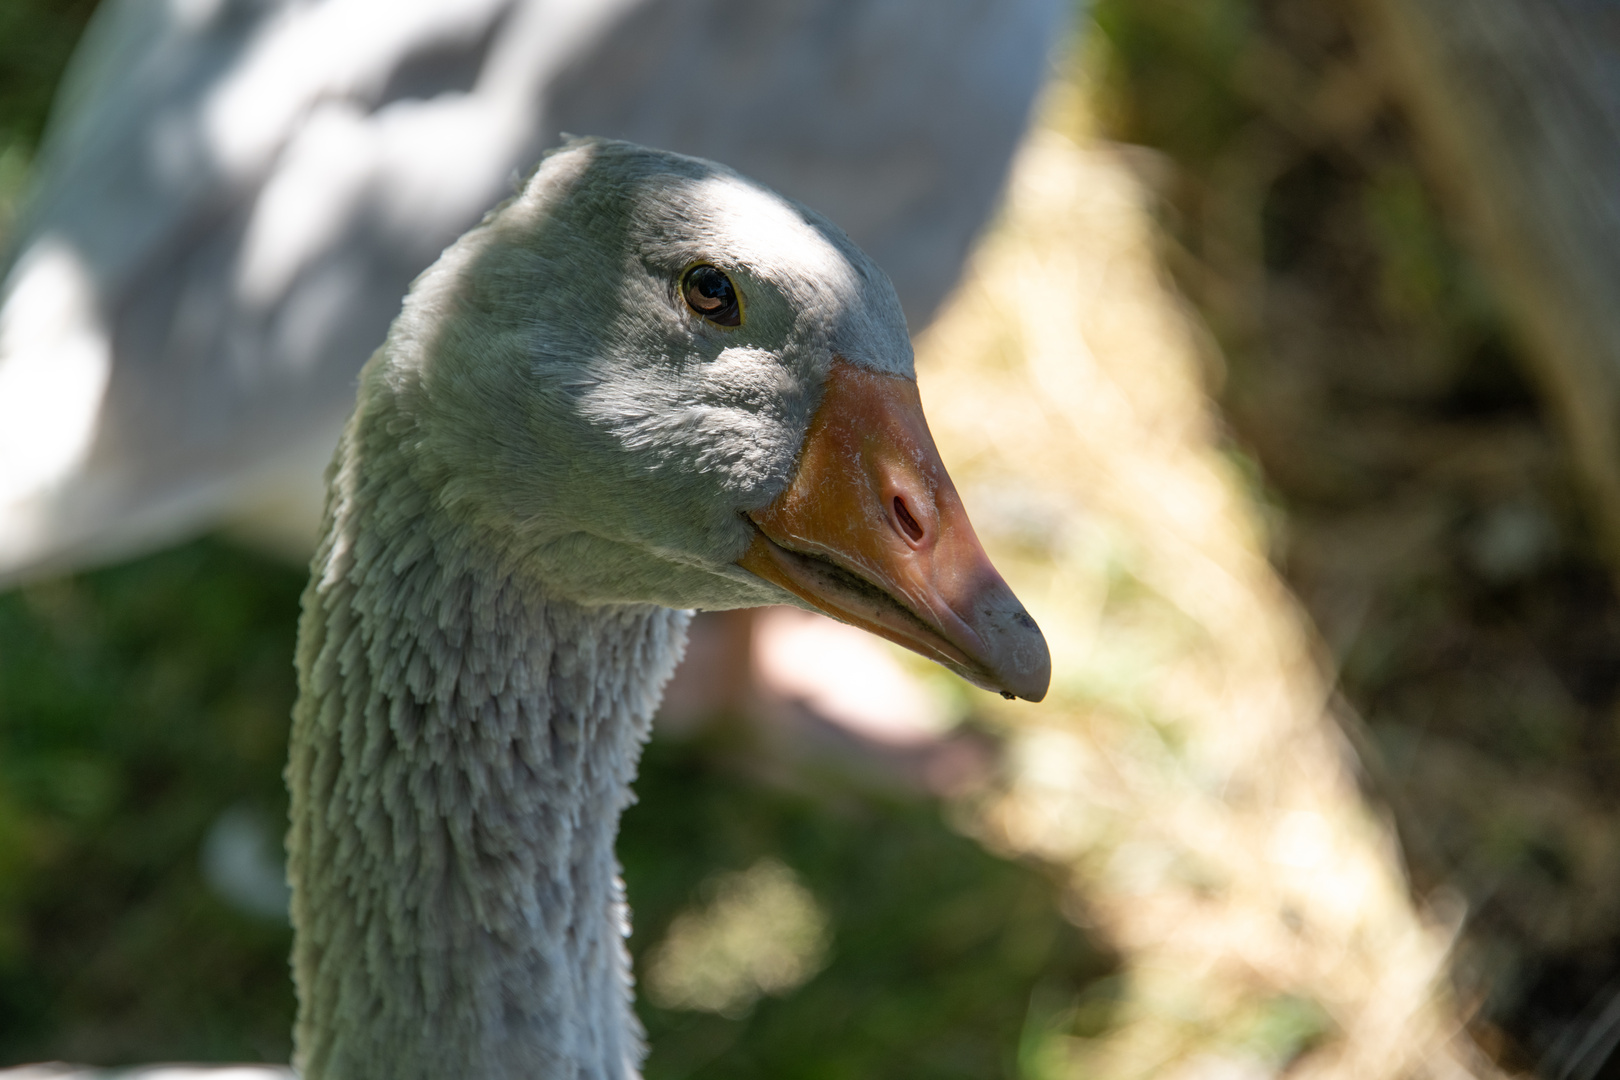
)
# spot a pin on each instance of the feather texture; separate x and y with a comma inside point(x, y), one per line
point(462, 748)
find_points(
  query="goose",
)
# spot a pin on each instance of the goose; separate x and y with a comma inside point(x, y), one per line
point(232, 197)
point(642, 386)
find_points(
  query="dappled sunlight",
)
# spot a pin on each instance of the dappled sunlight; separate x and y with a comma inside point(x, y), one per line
point(759, 931)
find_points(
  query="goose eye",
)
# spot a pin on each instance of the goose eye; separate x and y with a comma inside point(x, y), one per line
point(710, 293)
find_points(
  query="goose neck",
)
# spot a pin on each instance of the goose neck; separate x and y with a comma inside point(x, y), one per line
point(463, 746)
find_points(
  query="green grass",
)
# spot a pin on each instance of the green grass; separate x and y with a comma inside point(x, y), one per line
point(136, 703)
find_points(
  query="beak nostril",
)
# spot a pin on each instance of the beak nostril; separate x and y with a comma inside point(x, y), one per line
point(908, 524)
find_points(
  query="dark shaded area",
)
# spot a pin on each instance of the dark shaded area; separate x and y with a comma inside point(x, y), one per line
point(1428, 515)
point(136, 704)
point(447, 67)
point(36, 38)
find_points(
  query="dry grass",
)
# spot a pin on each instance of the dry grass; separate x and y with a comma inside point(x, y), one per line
point(1186, 772)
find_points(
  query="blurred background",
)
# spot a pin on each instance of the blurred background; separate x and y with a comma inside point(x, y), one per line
point(1280, 386)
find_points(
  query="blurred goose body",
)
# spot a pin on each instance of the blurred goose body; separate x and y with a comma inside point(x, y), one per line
point(233, 196)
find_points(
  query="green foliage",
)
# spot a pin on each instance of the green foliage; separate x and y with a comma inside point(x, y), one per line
point(1240, 96)
point(1169, 72)
point(36, 38)
point(136, 704)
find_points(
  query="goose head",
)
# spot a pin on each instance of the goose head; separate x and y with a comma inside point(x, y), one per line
point(647, 379)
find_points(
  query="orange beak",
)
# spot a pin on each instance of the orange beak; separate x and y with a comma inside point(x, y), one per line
point(872, 532)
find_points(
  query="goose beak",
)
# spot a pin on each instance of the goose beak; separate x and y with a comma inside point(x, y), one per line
point(872, 532)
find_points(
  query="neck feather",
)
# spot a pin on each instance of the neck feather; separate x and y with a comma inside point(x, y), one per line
point(463, 746)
